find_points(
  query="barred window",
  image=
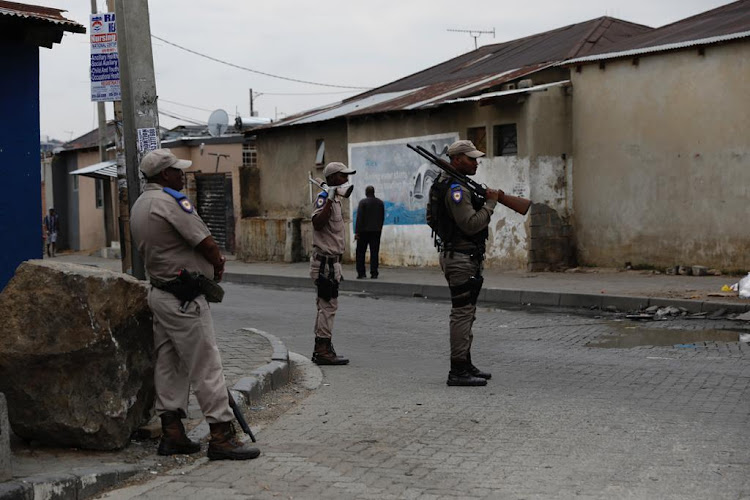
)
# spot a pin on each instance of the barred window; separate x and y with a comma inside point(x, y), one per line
point(505, 140)
point(249, 156)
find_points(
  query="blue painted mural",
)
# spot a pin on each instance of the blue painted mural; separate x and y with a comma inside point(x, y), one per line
point(401, 178)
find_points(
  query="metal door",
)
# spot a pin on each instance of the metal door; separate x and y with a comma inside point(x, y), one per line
point(215, 206)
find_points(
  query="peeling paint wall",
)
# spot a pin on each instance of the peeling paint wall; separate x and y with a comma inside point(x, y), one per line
point(662, 153)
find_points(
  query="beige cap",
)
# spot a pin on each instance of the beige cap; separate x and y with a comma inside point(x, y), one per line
point(464, 147)
point(159, 159)
point(335, 167)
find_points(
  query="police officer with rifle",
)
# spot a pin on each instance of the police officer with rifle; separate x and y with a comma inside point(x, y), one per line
point(459, 212)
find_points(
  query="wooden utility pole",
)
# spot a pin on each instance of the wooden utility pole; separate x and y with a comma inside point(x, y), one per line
point(139, 109)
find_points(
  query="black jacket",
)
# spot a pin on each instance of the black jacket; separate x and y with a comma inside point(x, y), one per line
point(370, 215)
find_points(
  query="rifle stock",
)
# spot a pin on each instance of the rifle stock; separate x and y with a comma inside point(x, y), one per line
point(515, 203)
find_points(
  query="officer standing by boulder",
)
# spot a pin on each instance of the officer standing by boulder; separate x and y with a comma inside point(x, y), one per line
point(171, 237)
point(325, 263)
point(460, 220)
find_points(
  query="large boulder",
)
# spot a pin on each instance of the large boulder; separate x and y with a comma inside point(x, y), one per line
point(76, 354)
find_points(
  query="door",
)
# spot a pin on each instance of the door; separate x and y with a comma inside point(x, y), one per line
point(216, 207)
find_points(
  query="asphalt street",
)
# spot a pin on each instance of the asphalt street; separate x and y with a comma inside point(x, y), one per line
point(566, 414)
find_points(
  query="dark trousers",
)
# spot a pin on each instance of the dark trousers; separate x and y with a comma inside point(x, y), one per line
point(371, 238)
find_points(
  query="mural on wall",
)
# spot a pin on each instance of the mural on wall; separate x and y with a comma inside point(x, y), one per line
point(401, 178)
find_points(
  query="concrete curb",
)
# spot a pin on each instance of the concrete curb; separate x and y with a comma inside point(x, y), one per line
point(500, 296)
point(83, 483)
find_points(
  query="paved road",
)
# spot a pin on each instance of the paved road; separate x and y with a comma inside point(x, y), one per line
point(559, 419)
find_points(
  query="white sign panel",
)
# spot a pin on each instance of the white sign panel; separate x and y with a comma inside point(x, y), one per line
point(105, 65)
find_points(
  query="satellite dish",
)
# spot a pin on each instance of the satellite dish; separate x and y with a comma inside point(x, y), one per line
point(218, 123)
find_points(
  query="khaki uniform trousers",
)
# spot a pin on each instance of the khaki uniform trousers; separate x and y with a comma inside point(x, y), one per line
point(458, 268)
point(186, 353)
point(326, 309)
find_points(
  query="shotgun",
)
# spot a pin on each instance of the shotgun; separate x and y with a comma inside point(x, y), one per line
point(239, 416)
point(516, 203)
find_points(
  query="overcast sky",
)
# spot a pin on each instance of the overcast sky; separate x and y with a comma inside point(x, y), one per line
point(337, 42)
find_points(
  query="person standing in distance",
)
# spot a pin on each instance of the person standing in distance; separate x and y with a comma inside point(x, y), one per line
point(52, 226)
point(367, 230)
point(325, 263)
point(460, 220)
point(171, 236)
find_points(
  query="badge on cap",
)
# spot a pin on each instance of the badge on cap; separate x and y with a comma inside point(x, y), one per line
point(457, 193)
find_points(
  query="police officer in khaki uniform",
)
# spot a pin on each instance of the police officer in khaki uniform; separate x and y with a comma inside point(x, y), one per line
point(325, 262)
point(171, 236)
point(462, 220)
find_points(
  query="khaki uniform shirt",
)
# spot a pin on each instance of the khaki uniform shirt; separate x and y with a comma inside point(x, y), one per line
point(330, 240)
point(166, 235)
point(468, 220)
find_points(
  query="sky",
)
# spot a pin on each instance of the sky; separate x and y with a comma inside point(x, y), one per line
point(340, 43)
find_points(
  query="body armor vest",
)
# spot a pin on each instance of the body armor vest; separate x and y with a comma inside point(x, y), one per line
point(445, 232)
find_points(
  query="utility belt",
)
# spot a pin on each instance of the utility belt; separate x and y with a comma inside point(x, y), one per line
point(187, 286)
point(328, 285)
point(476, 254)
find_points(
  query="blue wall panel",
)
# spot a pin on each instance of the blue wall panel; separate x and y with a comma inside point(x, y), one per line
point(20, 188)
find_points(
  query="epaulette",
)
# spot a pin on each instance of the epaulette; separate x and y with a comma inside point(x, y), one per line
point(182, 199)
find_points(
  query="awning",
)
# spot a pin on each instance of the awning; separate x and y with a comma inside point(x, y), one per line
point(101, 170)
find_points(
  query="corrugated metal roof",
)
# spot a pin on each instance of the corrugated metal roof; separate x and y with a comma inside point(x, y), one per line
point(98, 170)
point(729, 22)
point(37, 12)
point(489, 95)
point(475, 72)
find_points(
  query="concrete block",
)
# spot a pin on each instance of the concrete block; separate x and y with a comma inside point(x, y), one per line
point(96, 480)
point(728, 307)
point(700, 271)
point(16, 490)
point(54, 486)
point(436, 291)
point(6, 472)
point(251, 387)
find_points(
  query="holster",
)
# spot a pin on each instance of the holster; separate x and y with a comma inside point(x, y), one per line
point(328, 287)
point(187, 286)
point(468, 292)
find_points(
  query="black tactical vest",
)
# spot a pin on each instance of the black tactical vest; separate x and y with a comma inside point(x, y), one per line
point(446, 234)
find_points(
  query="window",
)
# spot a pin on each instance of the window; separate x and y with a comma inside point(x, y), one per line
point(99, 188)
point(478, 135)
point(320, 152)
point(505, 140)
point(249, 156)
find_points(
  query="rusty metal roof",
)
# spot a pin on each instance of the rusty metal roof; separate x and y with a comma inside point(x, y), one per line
point(728, 22)
point(39, 13)
point(477, 71)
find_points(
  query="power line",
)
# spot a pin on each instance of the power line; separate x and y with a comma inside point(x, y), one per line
point(256, 71)
point(185, 105)
point(307, 93)
point(176, 116)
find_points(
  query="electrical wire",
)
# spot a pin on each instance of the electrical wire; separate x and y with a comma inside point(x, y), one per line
point(185, 105)
point(256, 71)
point(176, 116)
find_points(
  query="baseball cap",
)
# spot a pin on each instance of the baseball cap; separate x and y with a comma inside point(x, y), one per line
point(465, 147)
point(336, 167)
point(159, 159)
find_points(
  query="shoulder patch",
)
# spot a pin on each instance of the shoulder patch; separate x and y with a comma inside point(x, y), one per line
point(457, 193)
point(321, 200)
point(181, 199)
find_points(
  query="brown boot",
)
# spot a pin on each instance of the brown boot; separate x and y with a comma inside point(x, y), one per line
point(224, 444)
point(174, 440)
point(325, 355)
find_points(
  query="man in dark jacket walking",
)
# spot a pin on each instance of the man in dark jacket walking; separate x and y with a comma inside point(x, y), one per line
point(367, 229)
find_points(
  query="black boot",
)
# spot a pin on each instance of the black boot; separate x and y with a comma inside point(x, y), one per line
point(473, 370)
point(325, 355)
point(174, 440)
point(224, 444)
point(460, 376)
